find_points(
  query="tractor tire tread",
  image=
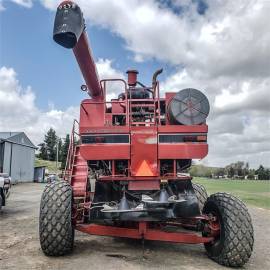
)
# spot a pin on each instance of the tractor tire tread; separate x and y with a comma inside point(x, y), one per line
point(238, 230)
point(55, 225)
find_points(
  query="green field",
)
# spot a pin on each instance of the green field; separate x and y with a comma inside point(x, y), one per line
point(255, 193)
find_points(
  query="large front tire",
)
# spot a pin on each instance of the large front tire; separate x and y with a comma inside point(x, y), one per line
point(55, 224)
point(234, 245)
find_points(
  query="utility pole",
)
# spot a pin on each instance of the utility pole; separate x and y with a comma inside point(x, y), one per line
point(57, 151)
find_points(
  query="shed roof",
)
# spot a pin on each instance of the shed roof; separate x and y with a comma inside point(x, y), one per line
point(17, 138)
point(6, 135)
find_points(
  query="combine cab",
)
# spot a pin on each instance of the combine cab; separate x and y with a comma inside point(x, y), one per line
point(125, 176)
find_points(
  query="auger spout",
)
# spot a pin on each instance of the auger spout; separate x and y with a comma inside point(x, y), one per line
point(69, 32)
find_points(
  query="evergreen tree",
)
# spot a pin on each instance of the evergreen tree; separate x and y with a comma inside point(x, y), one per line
point(246, 169)
point(262, 173)
point(60, 150)
point(65, 151)
point(51, 141)
point(43, 151)
point(267, 173)
point(230, 171)
point(239, 168)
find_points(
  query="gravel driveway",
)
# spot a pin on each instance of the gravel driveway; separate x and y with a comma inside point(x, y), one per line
point(19, 244)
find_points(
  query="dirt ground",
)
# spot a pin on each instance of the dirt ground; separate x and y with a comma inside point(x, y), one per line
point(19, 244)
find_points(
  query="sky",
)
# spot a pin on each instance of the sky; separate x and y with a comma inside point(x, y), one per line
point(219, 47)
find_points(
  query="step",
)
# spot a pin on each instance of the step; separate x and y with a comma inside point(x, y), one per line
point(79, 173)
point(79, 164)
point(78, 180)
point(142, 123)
point(79, 197)
point(78, 193)
point(142, 105)
point(78, 176)
point(79, 169)
point(79, 186)
point(80, 159)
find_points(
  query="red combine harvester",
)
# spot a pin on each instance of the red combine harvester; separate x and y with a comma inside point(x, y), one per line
point(125, 175)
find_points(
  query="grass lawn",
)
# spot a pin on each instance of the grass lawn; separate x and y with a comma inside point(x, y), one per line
point(251, 192)
point(51, 165)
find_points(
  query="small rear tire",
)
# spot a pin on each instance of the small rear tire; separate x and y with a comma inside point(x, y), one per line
point(1, 202)
point(234, 245)
point(2, 198)
point(56, 231)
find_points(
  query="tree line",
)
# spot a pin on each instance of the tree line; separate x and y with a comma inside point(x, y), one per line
point(236, 170)
point(51, 145)
point(242, 170)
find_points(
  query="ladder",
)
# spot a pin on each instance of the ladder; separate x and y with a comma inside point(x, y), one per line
point(76, 173)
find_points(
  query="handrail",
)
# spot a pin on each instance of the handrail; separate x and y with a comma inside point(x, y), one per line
point(103, 85)
point(127, 102)
point(71, 152)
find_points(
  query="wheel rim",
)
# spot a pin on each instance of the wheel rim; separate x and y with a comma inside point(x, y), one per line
point(215, 229)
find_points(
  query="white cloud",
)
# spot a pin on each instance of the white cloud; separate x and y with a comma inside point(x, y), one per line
point(225, 52)
point(106, 71)
point(51, 4)
point(24, 3)
point(227, 99)
point(2, 8)
point(20, 113)
point(231, 38)
point(239, 119)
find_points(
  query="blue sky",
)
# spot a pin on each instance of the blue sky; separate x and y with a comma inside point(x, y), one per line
point(52, 71)
point(219, 47)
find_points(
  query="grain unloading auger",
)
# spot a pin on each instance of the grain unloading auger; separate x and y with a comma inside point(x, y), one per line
point(125, 177)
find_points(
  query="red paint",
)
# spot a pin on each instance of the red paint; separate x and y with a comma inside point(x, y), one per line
point(144, 185)
point(143, 233)
point(144, 151)
point(65, 2)
point(186, 150)
point(183, 129)
point(87, 65)
point(142, 178)
point(132, 77)
point(108, 151)
point(202, 138)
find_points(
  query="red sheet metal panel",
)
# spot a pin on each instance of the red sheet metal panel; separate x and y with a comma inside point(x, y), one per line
point(105, 151)
point(104, 130)
point(144, 154)
point(144, 185)
point(143, 232)
point(118, 107)
point(182, 150)
point(183, 129)
point(91, 114)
